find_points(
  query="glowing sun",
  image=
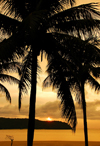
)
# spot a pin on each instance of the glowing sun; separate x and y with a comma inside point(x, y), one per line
point(49, 119)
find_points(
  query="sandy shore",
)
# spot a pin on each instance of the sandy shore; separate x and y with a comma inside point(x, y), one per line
point(49, 143)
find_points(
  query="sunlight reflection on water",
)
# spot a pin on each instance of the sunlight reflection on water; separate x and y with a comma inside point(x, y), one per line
point(51, 135)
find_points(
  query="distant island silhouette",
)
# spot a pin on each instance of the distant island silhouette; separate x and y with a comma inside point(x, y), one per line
point(10, 123)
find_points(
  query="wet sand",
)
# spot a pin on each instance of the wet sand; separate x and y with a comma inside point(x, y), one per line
point(49, 143)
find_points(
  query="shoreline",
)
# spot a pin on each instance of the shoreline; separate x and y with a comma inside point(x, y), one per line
point(49, 143)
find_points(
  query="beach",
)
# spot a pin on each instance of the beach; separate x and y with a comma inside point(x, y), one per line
point(49, 143)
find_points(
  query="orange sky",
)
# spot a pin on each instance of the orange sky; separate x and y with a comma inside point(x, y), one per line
point(47, 104)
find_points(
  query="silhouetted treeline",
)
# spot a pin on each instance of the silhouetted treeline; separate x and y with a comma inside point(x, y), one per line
point(7, 123)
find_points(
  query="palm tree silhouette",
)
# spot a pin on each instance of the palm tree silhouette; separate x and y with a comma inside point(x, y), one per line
point(78, 67)
point(32, 26)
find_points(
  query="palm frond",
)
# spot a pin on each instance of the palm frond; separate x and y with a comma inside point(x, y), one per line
point(11, 67)
point(25, 80)
point(11, 46)
point(68, 107)
point(7, 24)
point(8, 78)
point(85, 11)
point(63, 92)
point(93, 83)
point(95, 71)
point(38, 69)
point(47, 81)
point(71, 2)
point(4, 89)
point(57, 77)
point(85, 51)
point(21, 10)
point(80, 28)
point(25, 34)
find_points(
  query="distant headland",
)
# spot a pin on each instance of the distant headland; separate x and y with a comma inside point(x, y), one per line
point(8, 123)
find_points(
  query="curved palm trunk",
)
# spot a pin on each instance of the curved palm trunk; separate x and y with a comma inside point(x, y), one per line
point(84, 115)
point(31, 122)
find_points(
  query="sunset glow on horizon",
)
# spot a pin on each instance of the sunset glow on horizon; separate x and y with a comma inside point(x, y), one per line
point(49, 119)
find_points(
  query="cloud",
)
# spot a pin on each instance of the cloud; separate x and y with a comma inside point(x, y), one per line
point(51, 109)
point(12, 111)
point(93, 110)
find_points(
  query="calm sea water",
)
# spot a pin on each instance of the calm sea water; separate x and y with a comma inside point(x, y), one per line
point(51, 135)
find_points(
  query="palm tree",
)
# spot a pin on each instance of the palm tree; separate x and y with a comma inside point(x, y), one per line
point(31, 26)
point(79, 66)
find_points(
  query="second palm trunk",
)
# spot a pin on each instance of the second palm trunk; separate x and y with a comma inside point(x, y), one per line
point(84, 115)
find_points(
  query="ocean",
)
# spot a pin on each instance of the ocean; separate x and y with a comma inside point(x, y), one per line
point(50, 135)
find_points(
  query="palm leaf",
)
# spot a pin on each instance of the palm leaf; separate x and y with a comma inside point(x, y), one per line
point(21, 10)
point(86, 50)
point(93, 83)
point(63, 92)
point(7, 24)
point(8, 78)
point(11, 67)
point(84, 11)
point(4, 89)
point(78, 28)
point(26, 33)
point(57, 74)
point(95, 71)
point(25, 80)
point(68, 107)
point(11, 46)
